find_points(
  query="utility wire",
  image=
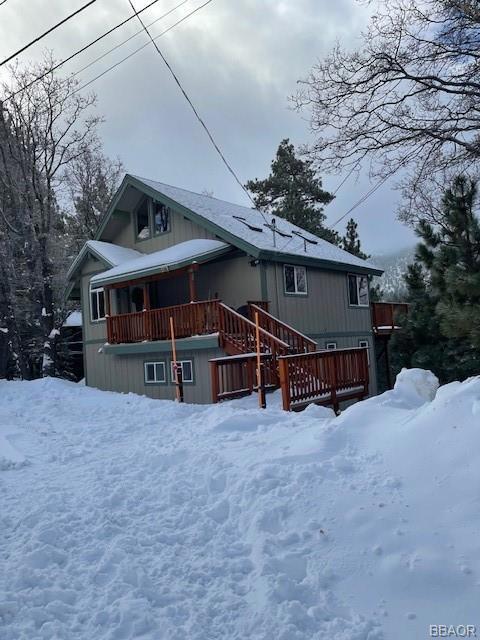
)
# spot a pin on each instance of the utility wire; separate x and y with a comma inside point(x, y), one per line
point(114, 66)
point(45, 33)
point(78, 52)
point(2, 2)
point(346, 178)
point(120, 44)
point(363, 198)
point(197, 115)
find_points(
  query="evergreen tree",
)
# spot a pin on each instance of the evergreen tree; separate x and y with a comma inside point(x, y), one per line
point(442, 332)
point(293, 191)
point(351, 240)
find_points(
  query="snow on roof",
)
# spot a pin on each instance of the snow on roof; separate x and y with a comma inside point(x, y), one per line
point(242, 222)
point(114, 254)
point(184, 252)
point(74, 319)
point(111, 254)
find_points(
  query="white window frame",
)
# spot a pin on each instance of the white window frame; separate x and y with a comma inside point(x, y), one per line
point(181, 363)
point(295, 268)
point(156, 380)
point(365, 345)
point(97, 291)
point(357, 280)
point(329, 347)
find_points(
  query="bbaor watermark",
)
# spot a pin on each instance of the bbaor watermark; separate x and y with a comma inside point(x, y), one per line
point(453, 631)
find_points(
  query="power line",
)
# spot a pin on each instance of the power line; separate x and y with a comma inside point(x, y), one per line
point(45, 33)
point(78, 52)
point(346, 178)
point(114, 66)
point(2, 2)
point(120, 44)
point(197, 115)
point(363, 199)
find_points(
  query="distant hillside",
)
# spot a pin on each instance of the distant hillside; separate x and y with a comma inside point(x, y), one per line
point(395, 266)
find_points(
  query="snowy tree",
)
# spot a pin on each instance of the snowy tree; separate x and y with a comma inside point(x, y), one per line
point(46, 129)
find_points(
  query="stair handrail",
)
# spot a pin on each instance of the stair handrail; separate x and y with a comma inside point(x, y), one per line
point(251, 325)
point(311, 344)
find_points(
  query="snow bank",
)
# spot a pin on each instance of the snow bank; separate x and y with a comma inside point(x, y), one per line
point(148, 519)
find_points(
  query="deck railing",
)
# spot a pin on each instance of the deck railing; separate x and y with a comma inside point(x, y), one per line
point(298, 342)
point(323, 377)
point(194, 318)
point(386, 316)
point(236, 376)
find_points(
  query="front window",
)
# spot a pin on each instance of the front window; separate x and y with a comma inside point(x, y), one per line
point(161, 218)
point(295, 279)
point(331, 346)
point(97, 304)
point(142, 220)
point(154, 372)
point(186, 369)
point(358, 290)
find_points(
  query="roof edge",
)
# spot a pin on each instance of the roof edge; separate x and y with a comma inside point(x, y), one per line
point(149, 271)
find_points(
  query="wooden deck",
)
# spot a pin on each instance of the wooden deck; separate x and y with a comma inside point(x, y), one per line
point(290, 360)
point(388, 317)
point(323, 377)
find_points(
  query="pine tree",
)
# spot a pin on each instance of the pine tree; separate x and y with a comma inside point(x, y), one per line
point(293, 191)
point(443, 328)
point(351, 240)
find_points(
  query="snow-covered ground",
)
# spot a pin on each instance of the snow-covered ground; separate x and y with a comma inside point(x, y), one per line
point(123, 517)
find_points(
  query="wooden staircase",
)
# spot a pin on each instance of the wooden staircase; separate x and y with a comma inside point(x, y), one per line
point(290, 360)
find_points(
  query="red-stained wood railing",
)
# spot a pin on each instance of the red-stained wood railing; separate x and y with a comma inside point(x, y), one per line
point(299, 343)
point(323, 377)
point(386, 316)
point(194, 318)
point(237, 336)
point(235, 376)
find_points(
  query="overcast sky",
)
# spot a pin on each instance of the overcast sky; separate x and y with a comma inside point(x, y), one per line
point(238, 59)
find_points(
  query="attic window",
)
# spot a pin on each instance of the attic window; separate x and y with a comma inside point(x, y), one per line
point(161, 218)
point(252, 227)
point(142, 229)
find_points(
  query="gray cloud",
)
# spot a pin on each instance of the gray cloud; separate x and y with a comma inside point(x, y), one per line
point(239, 61)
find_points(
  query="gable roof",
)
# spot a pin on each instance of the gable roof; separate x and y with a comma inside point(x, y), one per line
point(110, 254)
point(246, 228)
point(174, 257)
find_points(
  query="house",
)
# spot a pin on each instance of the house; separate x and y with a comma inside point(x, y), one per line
point(163, 252)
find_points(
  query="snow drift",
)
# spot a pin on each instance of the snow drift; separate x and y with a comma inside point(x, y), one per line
point(147, 519)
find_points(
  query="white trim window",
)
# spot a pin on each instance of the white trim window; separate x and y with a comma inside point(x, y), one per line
point(97, 304)
point(365, 344)
point(331, 346)
point(155, 372)
point(357, 290)
point(186, 367)
point(295, 280)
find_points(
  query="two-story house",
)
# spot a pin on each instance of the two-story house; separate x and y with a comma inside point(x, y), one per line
point(165, 255)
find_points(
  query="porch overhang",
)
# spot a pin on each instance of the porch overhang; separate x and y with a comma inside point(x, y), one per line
point(164, 263)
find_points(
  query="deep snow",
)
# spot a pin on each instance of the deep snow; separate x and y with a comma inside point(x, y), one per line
point(124, 517)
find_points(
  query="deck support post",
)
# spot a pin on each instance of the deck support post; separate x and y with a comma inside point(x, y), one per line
point(192, 285)
point(108, 313)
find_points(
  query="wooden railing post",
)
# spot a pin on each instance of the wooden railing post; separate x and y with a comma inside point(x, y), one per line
point(214, 381)
point(334, 383)
point(284, 383)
